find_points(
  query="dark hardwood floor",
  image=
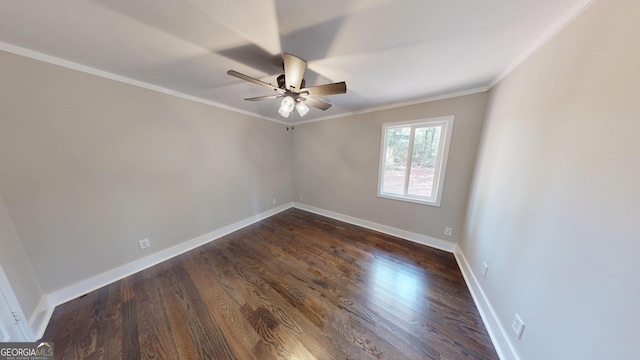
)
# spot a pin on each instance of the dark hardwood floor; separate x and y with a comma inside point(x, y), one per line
point(293, 286)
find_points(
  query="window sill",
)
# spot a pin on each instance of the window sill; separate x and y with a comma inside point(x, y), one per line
point(410, 199)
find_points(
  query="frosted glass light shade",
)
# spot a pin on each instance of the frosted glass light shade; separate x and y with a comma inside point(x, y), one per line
point(302, 108)
point(286, 107)
point(283, 112)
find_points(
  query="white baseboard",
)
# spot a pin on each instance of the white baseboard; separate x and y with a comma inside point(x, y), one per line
point(403, 234)
point(42, 316)
point(502, 343)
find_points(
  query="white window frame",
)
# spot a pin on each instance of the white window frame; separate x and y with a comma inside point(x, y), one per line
point(441, 163)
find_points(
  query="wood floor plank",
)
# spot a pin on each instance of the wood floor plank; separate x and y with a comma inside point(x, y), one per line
point(96, 324)
point(185, 344)
point(130, 339)
point(293, 286)
point(111, 344)
point(224, 309)
point(211, 343)
point(154, 332)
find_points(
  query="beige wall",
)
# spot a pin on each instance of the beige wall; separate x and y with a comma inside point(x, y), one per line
point(555, 205)
point(89, 166)
point(17, 267)
point(336, 165)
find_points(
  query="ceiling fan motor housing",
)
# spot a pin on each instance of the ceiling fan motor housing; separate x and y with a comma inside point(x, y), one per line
point(282, 84)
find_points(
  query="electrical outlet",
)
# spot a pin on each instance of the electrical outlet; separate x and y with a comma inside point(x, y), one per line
point(485, 268)
point(517, 326)
point(448, 231)
point(144, 243)
point(300, 196)
point(274, 200)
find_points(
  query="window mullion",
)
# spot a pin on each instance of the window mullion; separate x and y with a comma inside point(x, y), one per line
point(407, 172)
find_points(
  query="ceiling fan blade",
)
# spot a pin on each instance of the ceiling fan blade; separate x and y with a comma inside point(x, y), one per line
point(328, 89)
point(264, 97)
point(252, 80)
point(294, 68)
point(316, 103)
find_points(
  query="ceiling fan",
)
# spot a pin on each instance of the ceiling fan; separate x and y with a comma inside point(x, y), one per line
point(291, 88)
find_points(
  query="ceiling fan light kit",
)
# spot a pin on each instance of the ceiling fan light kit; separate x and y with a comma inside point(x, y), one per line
point(291, 87)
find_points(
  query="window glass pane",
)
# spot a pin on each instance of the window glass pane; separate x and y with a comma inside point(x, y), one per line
point(424, 160)
point(397, 149)
point(413, 159)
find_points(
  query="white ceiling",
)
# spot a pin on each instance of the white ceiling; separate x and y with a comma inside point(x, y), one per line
point(388, 51)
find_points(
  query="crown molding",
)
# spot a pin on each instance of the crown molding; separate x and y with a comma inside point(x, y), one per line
point(35, 55)
point(401, 104)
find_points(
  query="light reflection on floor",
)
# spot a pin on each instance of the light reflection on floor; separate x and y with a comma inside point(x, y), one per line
point(397, 284)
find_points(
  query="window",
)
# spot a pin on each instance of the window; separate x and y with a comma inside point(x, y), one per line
point(413, 159)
